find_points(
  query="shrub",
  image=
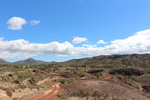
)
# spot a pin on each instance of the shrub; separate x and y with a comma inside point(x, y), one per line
point(83, 94)
point(9, 93)
point(95, 94)
point(82, 75)
point(62, 81)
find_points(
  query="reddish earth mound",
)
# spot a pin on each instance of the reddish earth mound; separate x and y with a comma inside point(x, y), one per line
point(107, 88)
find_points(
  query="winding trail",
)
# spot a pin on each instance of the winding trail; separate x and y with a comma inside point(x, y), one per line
point(52, 92)
point(48, 95)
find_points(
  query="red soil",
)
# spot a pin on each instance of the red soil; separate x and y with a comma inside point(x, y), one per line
point(107, 77)
point(48, 95)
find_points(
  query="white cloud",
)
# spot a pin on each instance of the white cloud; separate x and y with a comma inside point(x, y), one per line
point(101, 42)
point(78, 40)
point(88, 45)
point(34, 22)
point(62, 55)
point(15, 23)
point(138, 43)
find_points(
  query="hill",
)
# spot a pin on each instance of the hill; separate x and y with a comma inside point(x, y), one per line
point(29, 61)
point(113, 77)
point(140, 60)
point(3, 61)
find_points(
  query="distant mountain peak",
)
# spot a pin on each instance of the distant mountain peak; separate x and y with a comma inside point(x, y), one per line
point(29, 61)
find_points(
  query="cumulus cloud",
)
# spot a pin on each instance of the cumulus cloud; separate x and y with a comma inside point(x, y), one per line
point(78, 40)
point(88, 45)
point(101, 42)
point(15, 23)
point(138, 43)
point(34, 22)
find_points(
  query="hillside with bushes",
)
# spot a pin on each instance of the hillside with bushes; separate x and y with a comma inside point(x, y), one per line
point(111, 77)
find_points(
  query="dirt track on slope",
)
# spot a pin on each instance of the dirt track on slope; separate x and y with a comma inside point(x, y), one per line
point(52, 92)
point(48, 95)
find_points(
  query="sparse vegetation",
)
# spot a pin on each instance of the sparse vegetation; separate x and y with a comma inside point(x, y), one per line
point(97, 78)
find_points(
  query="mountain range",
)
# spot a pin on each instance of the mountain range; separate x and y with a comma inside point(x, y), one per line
point(27, 61)
point(132, 59)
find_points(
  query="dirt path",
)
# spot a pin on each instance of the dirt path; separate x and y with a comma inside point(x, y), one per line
point(107, 77)
point(48, 95)
point(4, 97)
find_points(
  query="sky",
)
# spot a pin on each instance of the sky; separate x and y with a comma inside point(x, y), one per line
point(60, 30)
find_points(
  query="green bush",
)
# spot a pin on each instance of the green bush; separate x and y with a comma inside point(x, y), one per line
point(62, 81)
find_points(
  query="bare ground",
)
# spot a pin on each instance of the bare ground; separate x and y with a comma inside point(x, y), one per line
point(105, 87)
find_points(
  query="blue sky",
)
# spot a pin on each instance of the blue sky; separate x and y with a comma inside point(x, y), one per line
point(59, 30)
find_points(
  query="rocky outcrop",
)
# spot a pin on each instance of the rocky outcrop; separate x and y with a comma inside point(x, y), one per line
point(128, 72)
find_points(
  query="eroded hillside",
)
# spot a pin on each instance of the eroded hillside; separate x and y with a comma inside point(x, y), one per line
point(116, 77)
